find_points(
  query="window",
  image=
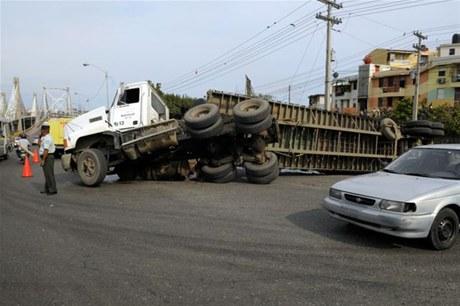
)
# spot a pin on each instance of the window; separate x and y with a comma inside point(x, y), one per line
point(452, 51)
point(440, 93)
point(441, 73)
point(380, 82)
point(457, 95)
point(402, 83)
point(355, 85)
point(390, 101)
point(390, 81)
point(157, 105)
point(380, 102)
point(130, 96)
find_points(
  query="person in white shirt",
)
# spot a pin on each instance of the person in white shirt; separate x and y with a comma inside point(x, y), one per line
point(46, 151)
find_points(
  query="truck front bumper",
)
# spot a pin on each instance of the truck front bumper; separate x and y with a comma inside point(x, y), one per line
point(395, 224)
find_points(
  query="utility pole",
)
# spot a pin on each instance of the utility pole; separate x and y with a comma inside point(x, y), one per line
point(289, 94)
point(331, 21)
point(419, 49)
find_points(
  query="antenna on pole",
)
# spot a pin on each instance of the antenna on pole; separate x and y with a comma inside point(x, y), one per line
point(331, 21)
point(419, 47)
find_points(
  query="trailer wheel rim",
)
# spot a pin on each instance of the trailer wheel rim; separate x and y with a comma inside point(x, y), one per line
point(445, 229)
point(89, 167)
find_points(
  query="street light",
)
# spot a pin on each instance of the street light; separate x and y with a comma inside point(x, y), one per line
point(106, 76)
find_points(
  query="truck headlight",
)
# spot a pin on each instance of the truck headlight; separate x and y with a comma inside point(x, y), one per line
point(334, 193)
point(398, 206)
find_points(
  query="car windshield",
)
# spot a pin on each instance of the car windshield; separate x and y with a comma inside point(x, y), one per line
point(436, 163)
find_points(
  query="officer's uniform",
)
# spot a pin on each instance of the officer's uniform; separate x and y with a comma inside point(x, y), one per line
point(46, 143)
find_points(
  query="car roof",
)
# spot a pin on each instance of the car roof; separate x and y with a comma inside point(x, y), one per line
point(450, 146)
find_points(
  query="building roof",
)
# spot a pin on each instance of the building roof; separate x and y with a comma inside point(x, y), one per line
point(393, 72)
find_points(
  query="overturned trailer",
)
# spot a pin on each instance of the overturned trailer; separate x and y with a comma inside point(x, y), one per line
point(313, 139)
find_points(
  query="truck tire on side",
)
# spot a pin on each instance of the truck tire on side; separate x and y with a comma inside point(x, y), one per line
point(255, 128)
point(418, 123)
point(437, 132)
point(444, 230)
point(437, 125)
point(92, 167)
point(213, 173)
point(225, 179)
point(258, 170)
point(267, 179)
point(419, 131)
point(201, 116)
point(208, 132)
point(251, 111)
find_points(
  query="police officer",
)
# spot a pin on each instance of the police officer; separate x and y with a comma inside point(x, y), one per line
point(47, 149)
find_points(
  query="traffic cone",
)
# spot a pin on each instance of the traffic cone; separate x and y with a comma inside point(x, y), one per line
point(36, 157)
point(27, 170)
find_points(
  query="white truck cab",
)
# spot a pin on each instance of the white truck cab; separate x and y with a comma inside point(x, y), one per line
point(135, 105)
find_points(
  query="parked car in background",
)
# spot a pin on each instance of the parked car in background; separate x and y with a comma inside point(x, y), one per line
point(416, 196)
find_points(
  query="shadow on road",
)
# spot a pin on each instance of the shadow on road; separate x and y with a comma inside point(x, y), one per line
point(319, 222)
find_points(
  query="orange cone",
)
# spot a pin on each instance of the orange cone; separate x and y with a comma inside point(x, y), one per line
point(36, 158)
point(27, 170)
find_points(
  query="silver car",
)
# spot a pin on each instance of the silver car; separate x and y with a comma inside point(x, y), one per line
point(416, 196)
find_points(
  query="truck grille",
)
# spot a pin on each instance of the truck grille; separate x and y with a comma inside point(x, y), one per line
point(359, 199)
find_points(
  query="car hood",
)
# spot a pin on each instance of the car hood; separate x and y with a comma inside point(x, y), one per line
point(396, 187)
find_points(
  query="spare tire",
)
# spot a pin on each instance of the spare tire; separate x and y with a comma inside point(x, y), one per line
point(388, 128)
point(251, 111)
point(202, 116)
point(255, 128)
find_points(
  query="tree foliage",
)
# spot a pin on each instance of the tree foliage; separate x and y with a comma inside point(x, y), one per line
point(177, 104)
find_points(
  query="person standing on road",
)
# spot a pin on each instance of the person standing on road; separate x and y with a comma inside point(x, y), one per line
point(47, 149)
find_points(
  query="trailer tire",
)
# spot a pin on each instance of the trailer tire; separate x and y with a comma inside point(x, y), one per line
point(419, 131)
point(208, 132)
point(437, 125)
point(388, 128)
point(225, 179)
point(255, 128)
point(259, 170)
point(267, 179)
point(220, 161)
point(213, 173)
point(201, 116)
point(92, 167)
point(437, 132)
point(251, 111)
point(418, 123)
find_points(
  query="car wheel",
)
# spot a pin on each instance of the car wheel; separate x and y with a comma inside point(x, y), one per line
point(444, 230)
point(251, 111)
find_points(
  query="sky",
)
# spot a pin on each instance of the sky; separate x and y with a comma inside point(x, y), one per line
point(45, 43)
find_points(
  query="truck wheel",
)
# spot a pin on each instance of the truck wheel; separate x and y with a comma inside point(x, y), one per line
point(419, 131)
point(251, 111)
point(225, 179)
point(201, 116)
point(267, 179)
point(92, 167)
point(253, 169)
point(126, 172)
point(208, 132)
point(444, 230)
point(255, 128)
point(437, 132)
point(213, 173)
point(437, 125)
point(418, 123)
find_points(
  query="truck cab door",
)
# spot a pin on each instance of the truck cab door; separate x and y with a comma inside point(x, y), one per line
point(126, 111)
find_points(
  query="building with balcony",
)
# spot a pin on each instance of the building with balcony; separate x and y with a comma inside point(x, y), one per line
point(317, 101)
point(397, 59)
point(345, 94)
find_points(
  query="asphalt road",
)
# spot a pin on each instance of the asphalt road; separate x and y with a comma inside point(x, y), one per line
point(158, 243)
